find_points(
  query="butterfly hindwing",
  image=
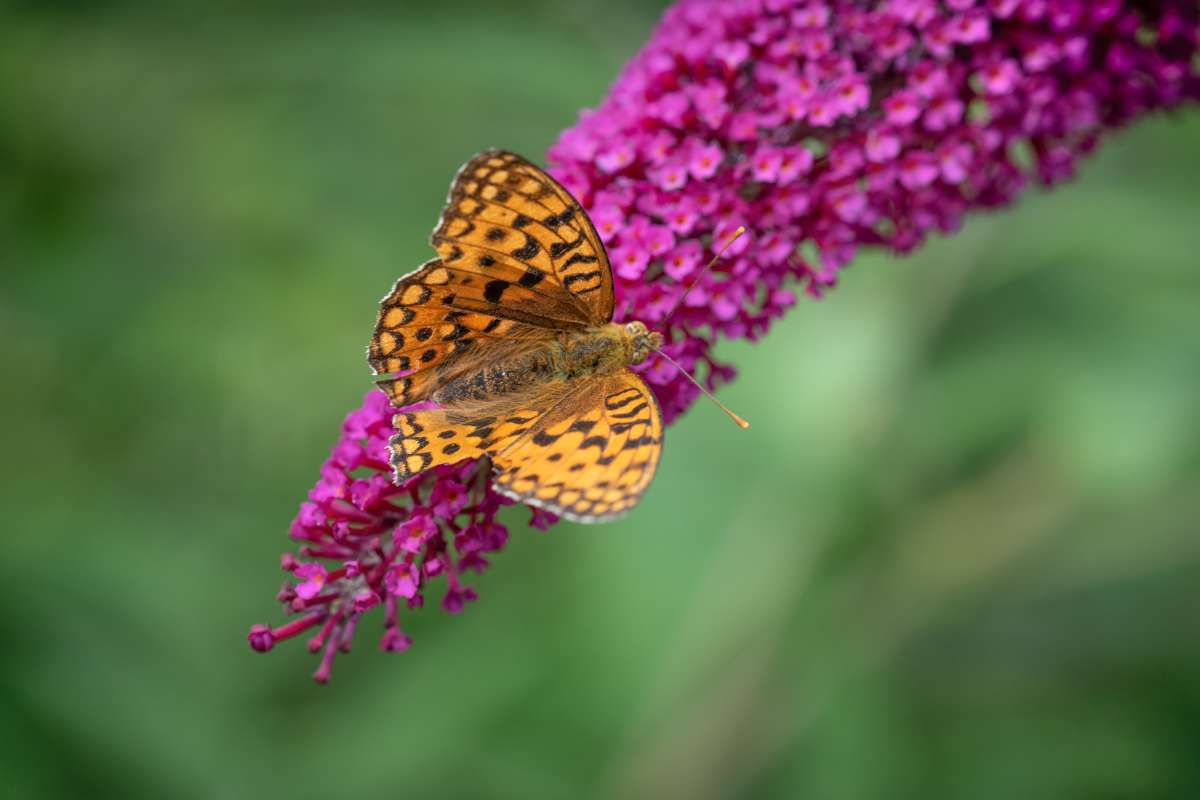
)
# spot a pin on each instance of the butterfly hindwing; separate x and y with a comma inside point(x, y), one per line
point(503, 210)
point(591, 459)
point(432, 437)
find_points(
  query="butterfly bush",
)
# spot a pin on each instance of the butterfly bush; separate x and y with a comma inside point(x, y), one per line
point(823, 128)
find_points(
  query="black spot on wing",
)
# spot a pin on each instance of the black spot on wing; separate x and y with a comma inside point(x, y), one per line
point(406, 316)
point(532, 277)
point(528, 250)
point(494, 290)
point(561, 248)
point(580, 277)
point(554, 220)
point(621, 399)
point(580, 258)
point(631, 413)
point(543, 439)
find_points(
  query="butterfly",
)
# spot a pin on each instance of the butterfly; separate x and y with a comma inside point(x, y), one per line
point(509, 332)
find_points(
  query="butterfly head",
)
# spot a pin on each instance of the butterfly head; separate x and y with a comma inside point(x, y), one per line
point(642, 341)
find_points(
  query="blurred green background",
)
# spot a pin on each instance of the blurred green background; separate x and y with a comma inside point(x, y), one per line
point(956, 556)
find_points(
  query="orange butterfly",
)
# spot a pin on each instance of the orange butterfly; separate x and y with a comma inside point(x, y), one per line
point(510, 332)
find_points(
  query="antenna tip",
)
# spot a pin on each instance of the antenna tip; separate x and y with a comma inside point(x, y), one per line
point(740, 230)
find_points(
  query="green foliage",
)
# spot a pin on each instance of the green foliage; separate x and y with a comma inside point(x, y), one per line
point(955, 556)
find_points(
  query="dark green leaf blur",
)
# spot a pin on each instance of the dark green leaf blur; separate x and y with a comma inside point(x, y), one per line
point(956, 556)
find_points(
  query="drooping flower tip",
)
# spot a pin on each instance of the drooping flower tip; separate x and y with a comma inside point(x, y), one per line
point(457, 597)
point(395, 641)
point(261, 638)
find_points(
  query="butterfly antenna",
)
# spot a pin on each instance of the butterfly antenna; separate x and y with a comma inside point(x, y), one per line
point(741, 423)
point(741, 229)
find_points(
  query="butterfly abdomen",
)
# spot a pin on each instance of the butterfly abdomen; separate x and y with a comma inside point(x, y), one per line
point(594, 351)
point(497, 380)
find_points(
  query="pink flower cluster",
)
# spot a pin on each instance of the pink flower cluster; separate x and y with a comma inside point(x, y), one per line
point(387, 542)
point(822, 126)
point(826, 126)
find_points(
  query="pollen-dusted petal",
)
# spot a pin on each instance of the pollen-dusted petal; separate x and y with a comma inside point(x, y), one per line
point(313, 580)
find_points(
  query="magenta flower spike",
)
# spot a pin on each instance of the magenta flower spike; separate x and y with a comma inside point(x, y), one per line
point(836, 125)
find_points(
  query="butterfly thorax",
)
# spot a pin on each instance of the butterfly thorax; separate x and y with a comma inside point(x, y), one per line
point(605, 349)
point(600, 350)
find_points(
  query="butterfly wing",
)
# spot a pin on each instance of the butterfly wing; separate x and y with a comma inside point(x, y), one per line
point(518, 260)
point(431, 437)
point(432, 326)
point(592, 456)
point(507, 213)
point(586, 449)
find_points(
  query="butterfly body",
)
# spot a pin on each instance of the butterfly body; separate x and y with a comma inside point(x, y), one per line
point(569, 356)
point(509, 331)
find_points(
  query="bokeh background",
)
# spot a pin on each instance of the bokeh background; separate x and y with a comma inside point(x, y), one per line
point(956, 556)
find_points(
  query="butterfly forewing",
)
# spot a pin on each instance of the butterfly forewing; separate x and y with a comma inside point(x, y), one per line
point(503, 210)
